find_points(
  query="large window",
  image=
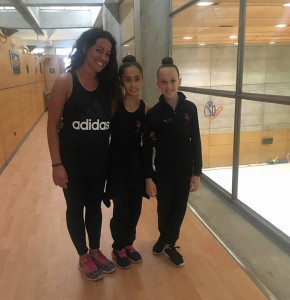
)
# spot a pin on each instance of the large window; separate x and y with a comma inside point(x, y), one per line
point(264, 170)
point(267, 49)
point(204, 44)
point(239, 79)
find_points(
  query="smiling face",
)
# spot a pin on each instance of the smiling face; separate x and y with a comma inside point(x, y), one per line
point(168, 82)
point(132, 81)
point(98, 55)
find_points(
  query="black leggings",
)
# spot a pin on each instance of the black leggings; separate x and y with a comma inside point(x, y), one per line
point(84, 192)
point(172, 196)
point(126, 213)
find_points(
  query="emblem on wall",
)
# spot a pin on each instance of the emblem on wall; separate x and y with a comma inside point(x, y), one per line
point(210, 111)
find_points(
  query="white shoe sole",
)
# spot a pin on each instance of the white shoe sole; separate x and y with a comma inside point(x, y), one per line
point(182, 264)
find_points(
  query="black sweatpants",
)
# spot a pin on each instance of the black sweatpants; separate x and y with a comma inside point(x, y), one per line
point(126, 213)
point(172, 196)
point(83, 193)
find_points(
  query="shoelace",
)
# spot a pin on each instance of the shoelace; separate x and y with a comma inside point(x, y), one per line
point(89, 265)
point(102, 258)
point(122, 253)
point(130, 248)
point(173, 247)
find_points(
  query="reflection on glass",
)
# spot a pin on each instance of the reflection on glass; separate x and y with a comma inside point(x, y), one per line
point(267, 51)
point(204, 42)
point(216, 121)
point(264, 169)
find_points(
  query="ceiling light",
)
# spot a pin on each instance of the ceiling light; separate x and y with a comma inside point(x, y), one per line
point(202, 44)
point(187, 37)
point(281, 25)
point(233, 36)
point(286, 4)
point(272, 42)
point(236, 43)
point(126, 45)
point(204, 3)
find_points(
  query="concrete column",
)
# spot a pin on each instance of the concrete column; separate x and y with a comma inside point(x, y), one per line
point(152, 41)
point(111, 23)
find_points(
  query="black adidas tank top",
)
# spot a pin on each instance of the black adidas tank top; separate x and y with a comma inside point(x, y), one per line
point(84, 138)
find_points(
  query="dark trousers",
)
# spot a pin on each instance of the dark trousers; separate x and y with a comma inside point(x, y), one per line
point(126, 213)
point(172, 196)
point(84, 193)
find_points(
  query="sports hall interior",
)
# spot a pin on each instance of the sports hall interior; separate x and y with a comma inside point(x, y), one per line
point(234, 62)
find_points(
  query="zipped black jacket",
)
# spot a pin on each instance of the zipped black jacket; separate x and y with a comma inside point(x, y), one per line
point(177, 139)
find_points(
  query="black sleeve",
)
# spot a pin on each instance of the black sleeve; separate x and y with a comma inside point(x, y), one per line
point(196, 145)
point(147, 149)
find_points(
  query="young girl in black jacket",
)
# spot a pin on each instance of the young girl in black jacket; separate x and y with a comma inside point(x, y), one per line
point(126, 181)
point(178, 161)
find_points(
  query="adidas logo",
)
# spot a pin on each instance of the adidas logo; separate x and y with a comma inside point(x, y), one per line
point(89, 125)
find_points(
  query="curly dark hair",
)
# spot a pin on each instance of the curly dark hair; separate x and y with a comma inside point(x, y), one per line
point(108, 77)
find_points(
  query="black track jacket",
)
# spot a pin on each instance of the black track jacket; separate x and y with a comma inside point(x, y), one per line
point(177, 139)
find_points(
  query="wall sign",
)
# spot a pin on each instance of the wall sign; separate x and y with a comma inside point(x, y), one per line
point(15, 62)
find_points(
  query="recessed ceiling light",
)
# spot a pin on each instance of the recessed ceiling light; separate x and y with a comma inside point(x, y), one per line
point(202, 44)
point(272, 42)
point(233, 36)
point(187, 37)
point(281, 25)
point(204, 3)
point(126, 45)
point(286, 4)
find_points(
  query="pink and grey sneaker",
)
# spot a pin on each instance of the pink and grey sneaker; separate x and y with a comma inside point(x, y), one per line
point(101, 261)
point(134, 256)
point(90, 271)
point(121, 259)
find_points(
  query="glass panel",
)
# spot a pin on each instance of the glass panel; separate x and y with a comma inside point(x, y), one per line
point(127, 20)
point(267, 51)
point(128, 49)
point(264, 155)
point(216, 121)
point(204, 45)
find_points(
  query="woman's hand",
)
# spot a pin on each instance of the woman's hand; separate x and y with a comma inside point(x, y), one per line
point(151, 187)
point(194, 183)
point(59, 176)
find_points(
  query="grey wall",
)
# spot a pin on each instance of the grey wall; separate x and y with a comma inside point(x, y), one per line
point(266, 71)
point(111, 24)
point(151, 36)
point(152, 41)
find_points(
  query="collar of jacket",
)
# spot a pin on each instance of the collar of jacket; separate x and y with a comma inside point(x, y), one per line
point(181, 99)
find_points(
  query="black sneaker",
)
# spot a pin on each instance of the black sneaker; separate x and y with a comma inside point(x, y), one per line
point(134, 256)
point(121, 259)
point(159, 246)
point(174, 255)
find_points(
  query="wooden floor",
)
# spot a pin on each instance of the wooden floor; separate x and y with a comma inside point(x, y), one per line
point(38, 261)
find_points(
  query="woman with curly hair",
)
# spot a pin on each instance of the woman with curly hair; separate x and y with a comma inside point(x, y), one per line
point(84, 98)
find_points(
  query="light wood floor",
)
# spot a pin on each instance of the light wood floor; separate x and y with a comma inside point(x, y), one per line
point(38, 261)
